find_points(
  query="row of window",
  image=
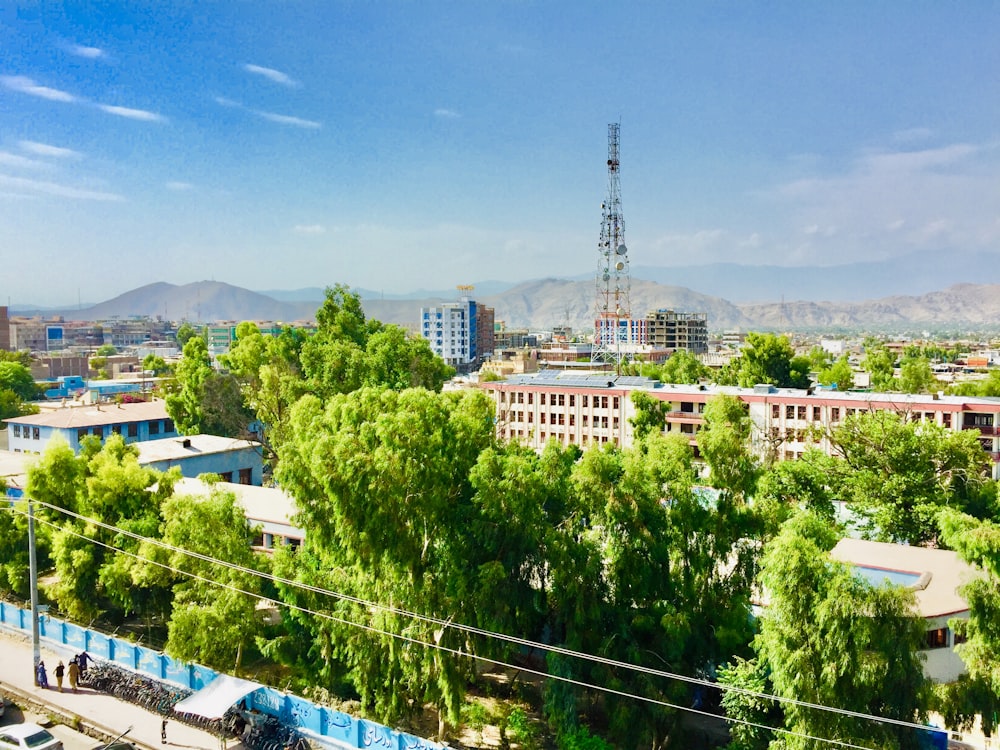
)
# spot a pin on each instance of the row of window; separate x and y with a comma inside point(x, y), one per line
point(562, 419)
point(801, 412)
point(33, 433)
point(130, 430)
point(559, 399)
point(570, 437)
point(245, 475)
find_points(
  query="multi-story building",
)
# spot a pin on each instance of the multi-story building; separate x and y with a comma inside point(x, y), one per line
point(584, 409)
point(134, 421)
point(486, 341)
point(4, 329)
point(666, 329)
point(452, 329)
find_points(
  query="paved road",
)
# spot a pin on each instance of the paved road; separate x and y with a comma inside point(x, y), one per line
point(101, 714)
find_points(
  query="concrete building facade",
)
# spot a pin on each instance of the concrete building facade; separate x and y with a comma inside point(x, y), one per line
point(666, 329)
point(584, 409)
point(452, 329)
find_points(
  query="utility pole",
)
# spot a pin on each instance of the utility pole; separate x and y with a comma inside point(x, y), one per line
point(36, 648)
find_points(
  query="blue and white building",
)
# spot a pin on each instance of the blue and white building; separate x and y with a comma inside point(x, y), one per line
point(451, 330)
point(136, 423)
point(236, 461)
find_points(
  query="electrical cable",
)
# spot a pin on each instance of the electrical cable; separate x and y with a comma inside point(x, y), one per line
point(477, 631)
point(458, 652)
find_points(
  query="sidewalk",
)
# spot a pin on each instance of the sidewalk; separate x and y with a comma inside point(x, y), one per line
point(104, 714)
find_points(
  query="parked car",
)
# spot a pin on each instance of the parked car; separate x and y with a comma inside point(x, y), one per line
point(27, 736)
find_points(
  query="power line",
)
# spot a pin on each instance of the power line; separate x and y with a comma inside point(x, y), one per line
point(470, 629)
point(457, 652)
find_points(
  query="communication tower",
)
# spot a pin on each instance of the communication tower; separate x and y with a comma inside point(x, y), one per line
point(613, 338)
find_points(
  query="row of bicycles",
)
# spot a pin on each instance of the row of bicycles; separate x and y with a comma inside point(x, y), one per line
point(256, 731)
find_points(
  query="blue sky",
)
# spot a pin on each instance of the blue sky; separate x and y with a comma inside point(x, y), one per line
point(407, 145)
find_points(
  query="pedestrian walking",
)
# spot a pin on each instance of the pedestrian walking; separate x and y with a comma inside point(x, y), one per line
point(43, 678)
point(59, 671)
point(74, 674)
point(163, 732)
point(83, 659)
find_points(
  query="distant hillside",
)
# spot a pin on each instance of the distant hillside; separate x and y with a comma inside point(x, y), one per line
point(200, 301)
point(549, 302)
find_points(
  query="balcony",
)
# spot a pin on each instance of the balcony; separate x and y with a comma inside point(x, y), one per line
point(687, 417)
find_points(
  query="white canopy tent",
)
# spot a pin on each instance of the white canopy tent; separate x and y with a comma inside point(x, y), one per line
point(217, 697)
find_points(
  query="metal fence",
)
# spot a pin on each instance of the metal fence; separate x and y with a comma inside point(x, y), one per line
point(319, 722)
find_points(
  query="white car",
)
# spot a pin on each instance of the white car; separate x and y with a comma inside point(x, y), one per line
point(27, 736)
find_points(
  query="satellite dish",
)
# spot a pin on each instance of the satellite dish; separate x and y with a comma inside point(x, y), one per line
point(619, 311)
point(619, 266)
point(606, 276)
point(622, 249)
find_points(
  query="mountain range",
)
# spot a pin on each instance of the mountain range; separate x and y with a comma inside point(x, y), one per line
point(545, 303)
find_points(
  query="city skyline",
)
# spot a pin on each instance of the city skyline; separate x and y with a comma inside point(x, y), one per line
point(400, 146)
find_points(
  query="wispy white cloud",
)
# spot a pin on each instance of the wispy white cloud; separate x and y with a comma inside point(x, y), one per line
point(272, 75)
point(21, 162)
point(448, 114)
point(44, 149)
point(52, 188)
point(912, 135)
point(309, 229)
point(178, 186)
point(288, 120)
point(132, 114)
point(91, 53)
point(27, 85)
point(225, 102)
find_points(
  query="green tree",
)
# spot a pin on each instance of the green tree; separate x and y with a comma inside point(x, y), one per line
point(381, 479)
point(897, 474)
point(829, 637)
point(155, 364)
point(839, 374)
point(725, 444)
point(880, 364)
point(650, 415)
point(186, 332)
point(213, 620)
point(916, 376)
point(766, 358)
point(683, 367)
point(17, 379)
point(749, 712)
point(185, 401)
point(106, 350)
point(978, 543)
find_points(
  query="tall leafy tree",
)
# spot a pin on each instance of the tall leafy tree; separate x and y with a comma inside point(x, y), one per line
point(381, 479)
point(897, 473)
point(767, 358)
point(184, 402)
point(839, 373)
point(683, 367)
point(829, 637)
point(725, 444)
point(880, 364)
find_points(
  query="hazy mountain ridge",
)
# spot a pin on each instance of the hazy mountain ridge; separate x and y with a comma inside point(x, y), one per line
point(545, 303)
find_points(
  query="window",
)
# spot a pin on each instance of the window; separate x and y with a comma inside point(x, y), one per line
point(541, 417)
point(585, 400)
point(946, 419)
point(835, 414)
point(802, 412)
point(572, 420)
point(117, 429)
point(17, 430)
point(775, 411)
point(246, 476)
point(541, 399)
point(154, 428)
point(614, 402)
point(226, 476)
point(531, 417)
point(562, 399)
point(572, 400)
point(937, 638)
point(133, 430)
point(98, 431)
point(531, 398)
point(168, 425)
point(789, 412)
point(816, 411)
point(35, 433)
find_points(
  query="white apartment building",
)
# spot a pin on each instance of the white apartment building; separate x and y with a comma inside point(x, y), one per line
point(451, 330)
point(584, 409)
